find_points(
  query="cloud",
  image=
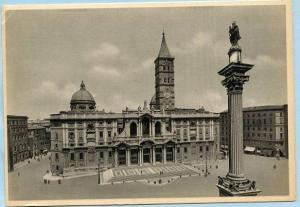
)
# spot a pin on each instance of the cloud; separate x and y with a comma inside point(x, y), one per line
point(148, 63)
point(105, 50)
point(265, 62)
point(105, 70)
point(51, 90)
point(199, 41)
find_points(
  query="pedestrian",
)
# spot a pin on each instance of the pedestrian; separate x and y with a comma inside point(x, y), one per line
point(18, 173)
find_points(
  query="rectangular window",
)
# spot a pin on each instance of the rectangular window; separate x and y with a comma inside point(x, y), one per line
point(101, 155)
point(185, 132)
point(206, 130)
point(109, 134)
point(178, 132)
point(110, 153)
point(201, 149)
point(207, 148)
point(81, 155)
point(80, 134)
point(178, 150)
point(72, 156)
point(185, 150)
point(101, 134)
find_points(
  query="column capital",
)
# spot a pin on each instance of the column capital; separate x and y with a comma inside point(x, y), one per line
point(235, 82)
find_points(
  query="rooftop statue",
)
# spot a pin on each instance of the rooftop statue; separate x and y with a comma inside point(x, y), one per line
point(234, 34)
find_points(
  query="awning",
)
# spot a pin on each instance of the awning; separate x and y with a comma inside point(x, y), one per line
point(249, 149)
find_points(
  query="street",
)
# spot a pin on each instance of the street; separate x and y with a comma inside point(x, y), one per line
point(30, 186)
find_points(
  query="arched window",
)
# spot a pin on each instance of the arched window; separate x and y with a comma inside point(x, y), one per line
point(133, 129)
point(157, 129)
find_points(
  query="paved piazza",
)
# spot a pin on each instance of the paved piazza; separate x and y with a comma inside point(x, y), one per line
point(28, 186)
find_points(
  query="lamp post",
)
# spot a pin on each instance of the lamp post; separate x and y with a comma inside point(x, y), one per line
point(99, 179)
point(206, 169)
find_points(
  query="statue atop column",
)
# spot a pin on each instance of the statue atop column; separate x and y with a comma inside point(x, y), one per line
point(235, 51)
point(234, 34)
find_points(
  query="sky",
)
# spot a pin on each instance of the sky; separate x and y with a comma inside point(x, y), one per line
point(49, 53)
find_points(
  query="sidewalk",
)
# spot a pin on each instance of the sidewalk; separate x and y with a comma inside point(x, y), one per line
point(22, 164)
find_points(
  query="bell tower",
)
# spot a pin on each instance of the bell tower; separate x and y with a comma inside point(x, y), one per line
point(164, 77)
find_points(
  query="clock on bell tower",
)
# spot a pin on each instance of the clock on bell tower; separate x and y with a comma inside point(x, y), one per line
point(164, 77)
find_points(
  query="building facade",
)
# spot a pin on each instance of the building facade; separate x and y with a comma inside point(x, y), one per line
point(39, 139)
point(17, 140)
point(265, 128)
point(84, 138)
point(40, 132)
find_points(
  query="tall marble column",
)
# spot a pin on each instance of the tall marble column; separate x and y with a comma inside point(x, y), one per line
point(128, 154)
point(164, 154)
point(235, 182)
point(153, 156)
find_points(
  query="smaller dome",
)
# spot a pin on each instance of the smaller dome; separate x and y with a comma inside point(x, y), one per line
point(82, 100)
point(153, 102)
point(82, 95)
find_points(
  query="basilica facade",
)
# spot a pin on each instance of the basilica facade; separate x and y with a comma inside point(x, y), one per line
point(84, 138)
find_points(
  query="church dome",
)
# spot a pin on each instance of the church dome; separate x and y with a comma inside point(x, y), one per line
point(153, 102)
point(82, 99)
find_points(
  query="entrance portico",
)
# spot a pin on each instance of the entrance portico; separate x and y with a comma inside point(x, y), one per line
point(146, 153)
